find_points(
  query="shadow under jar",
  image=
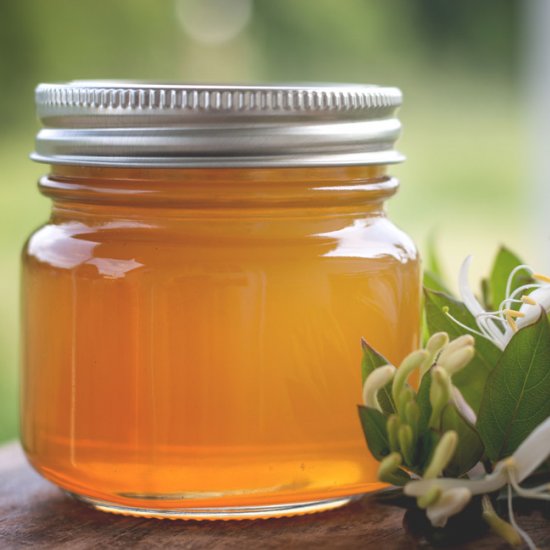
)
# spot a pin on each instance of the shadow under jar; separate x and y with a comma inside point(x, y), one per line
point(192, 311)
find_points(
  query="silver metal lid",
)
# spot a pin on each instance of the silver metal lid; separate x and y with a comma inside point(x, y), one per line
point(125, 124)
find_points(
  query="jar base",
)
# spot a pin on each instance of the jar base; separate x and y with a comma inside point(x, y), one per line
point(221, 513)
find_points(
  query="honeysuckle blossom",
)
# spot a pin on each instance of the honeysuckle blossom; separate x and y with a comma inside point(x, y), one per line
point(443, 357)
point(447, 496)
point(376, 380)
point(499, 326)
point(534, 450)
point(441, 360)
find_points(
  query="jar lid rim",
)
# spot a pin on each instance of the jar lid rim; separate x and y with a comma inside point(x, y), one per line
point(131, 123)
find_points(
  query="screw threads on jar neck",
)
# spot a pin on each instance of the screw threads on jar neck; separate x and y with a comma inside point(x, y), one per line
point(300, 188)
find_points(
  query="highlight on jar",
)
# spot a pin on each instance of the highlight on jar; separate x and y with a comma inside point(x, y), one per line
point(194, 306)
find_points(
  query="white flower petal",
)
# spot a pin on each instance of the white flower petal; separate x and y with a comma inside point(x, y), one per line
point(466, 293)
point(474, 307)
point(527, 458)
point(532, 312)
point(534, 450)
point(491, 482)
point(463, 407)
point(450, 503)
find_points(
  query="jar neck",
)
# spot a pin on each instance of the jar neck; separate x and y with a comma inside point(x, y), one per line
point(246, 190)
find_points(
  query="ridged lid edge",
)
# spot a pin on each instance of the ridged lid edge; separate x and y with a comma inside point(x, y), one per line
point(142, 96)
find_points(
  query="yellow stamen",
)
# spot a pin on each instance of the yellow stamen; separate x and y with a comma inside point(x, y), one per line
point(528, 300)
point(513, 313)
point(541, 277)
point(511, 322)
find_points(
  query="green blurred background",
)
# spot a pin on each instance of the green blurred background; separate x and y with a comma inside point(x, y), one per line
point(460, 66)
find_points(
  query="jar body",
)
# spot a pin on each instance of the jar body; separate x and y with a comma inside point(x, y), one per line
point(192, 337)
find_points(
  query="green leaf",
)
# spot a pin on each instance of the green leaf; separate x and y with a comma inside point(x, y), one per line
point(470, 446)
point(505, 261)
point(486, 294)
point(517, 395)
point(425, 332)
point(374, 428)
point(434, 282)
point(433, 263)
point(471, 379)
point(426, 446)
point(372, 360)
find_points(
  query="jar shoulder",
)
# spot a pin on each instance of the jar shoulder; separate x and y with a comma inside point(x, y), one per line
point(128, 244)
point(73, 245)
point(373, 237)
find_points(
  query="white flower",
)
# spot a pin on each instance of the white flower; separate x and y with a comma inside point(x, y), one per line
point(499, 326)
point(510, 471)
point(514, 469)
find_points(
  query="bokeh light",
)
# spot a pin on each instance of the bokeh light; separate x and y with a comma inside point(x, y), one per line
point(213, 21)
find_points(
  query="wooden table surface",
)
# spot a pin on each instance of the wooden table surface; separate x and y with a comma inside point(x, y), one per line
point(35, 514)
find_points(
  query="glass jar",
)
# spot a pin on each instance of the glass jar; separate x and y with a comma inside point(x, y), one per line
point(192, 311)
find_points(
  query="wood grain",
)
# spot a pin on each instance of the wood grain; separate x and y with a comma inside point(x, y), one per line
point(35, 514)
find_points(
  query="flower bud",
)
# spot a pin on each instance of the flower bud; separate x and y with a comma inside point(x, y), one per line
point(392, 427)
point(436, 342)
point(458, 343)
point(412, 417)
point(443, 454)
point(406, 443)
point(412, 362)
point(457, 360)
point(433, 346)
point(375, 381)
point(407, 395)
point(440, 394)
point(498, 525)
point(388, 468)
